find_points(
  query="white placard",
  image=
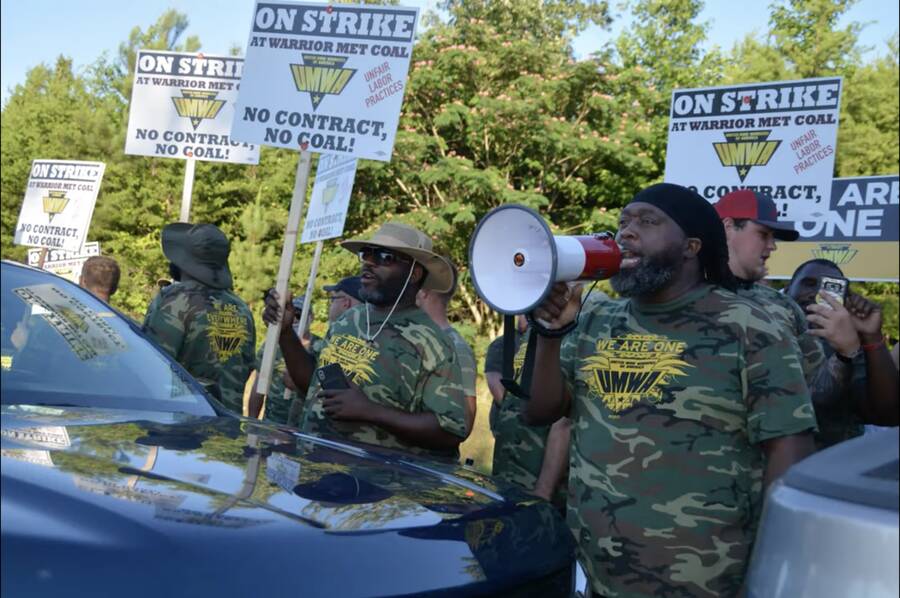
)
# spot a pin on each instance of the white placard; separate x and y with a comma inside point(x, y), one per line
point(325, 78)
point(67, 264)
point(59, 203)
point(776, 138)
point(330, 198)
point(182, 106)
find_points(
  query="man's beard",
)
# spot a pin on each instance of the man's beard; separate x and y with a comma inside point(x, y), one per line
point(649, 277)
point(385, 293)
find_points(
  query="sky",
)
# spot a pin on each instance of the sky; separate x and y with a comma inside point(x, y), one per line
point(36, 31)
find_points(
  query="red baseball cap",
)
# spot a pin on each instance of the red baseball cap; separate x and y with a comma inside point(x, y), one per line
point(750, 205)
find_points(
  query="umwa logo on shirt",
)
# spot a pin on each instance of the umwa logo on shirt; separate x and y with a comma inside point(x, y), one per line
point(634, 367)
point(355, 355)
point(227, 330)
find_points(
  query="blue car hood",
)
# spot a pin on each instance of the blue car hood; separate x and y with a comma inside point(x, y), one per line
point(210, 498)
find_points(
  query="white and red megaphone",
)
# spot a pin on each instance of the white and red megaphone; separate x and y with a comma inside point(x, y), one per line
point(515, 260)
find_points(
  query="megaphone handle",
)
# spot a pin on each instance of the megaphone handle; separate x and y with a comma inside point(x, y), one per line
point(528, 365)
point(523, 389)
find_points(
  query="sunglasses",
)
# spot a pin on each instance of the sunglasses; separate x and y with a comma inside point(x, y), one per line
point(381, 256)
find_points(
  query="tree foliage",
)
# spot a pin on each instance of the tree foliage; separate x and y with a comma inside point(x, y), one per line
point(496, 110)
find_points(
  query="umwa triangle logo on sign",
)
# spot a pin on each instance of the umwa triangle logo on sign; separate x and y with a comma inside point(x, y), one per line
point(197, 105)
point(321, 75)
point(746, 149)
point(839, 253)
point(54, 203)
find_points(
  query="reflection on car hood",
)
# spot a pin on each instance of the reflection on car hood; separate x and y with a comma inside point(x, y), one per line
point(127, 480)
point(212, 469)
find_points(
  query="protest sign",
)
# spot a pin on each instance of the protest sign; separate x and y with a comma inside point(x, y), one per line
point(182, 106)
point(859, 232)
point(59, 203)
point(330, 198)
point(67, 264)
point(777, 138)
point(325, 78)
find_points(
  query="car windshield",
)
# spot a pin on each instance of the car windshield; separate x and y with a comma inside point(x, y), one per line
point(62, 346)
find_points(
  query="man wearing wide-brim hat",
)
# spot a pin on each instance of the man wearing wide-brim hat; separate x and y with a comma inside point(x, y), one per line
point(405, 388)
point(198, 320)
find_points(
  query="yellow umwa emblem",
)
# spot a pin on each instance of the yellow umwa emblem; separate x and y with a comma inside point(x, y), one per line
point(54, 203)
point(745, 149)
point(839, 253)
point(227, 330)
point(354, 355)
point(627, 369)
point(321, 75)
point(197, 105)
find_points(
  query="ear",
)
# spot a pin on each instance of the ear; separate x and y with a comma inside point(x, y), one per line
point(728, 223)
point(418, 273)
point(692, 246)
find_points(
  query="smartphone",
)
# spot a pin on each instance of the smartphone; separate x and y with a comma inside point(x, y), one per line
point(331, 377)
point(836, 288)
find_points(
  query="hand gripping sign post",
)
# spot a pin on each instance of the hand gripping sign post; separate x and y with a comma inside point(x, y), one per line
point(325, 79)
point(59, 203)
point(182, 106)
point(775, 138)
point(325, 218)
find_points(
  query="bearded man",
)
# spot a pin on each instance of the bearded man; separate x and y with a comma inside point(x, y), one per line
point(686, 401)
point(405, 384)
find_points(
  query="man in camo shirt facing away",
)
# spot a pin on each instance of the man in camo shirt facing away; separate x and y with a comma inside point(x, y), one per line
point(198, 320)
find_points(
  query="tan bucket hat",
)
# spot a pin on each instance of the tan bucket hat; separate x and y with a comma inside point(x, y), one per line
point(413, 243)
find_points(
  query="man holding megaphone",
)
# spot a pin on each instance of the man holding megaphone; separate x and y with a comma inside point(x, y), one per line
point(686, 399)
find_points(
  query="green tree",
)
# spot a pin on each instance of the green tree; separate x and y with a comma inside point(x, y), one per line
point(51, 115)
point(497, 110)
point(660, 52)
point(805, 32)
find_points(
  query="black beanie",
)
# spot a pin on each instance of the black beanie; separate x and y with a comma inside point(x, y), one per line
point(699, 219)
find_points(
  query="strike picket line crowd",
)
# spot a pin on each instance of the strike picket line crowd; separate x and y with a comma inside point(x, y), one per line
point(656, 419)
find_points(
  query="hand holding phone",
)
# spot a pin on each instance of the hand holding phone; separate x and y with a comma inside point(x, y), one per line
point(331, 377)
point(834, 287)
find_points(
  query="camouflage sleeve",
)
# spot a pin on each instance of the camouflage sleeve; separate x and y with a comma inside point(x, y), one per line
point(467, 368)
point(777, 398)
point(810, 347)
point(163, 325)
point(443, 395)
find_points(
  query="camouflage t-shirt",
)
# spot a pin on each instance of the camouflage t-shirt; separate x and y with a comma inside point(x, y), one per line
point(670, 405)
point(518, 447)
point(410, 366)
point(278, 404)
point(208, 331)
point(782, 308)
point(466, 360)
point(493, 362)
